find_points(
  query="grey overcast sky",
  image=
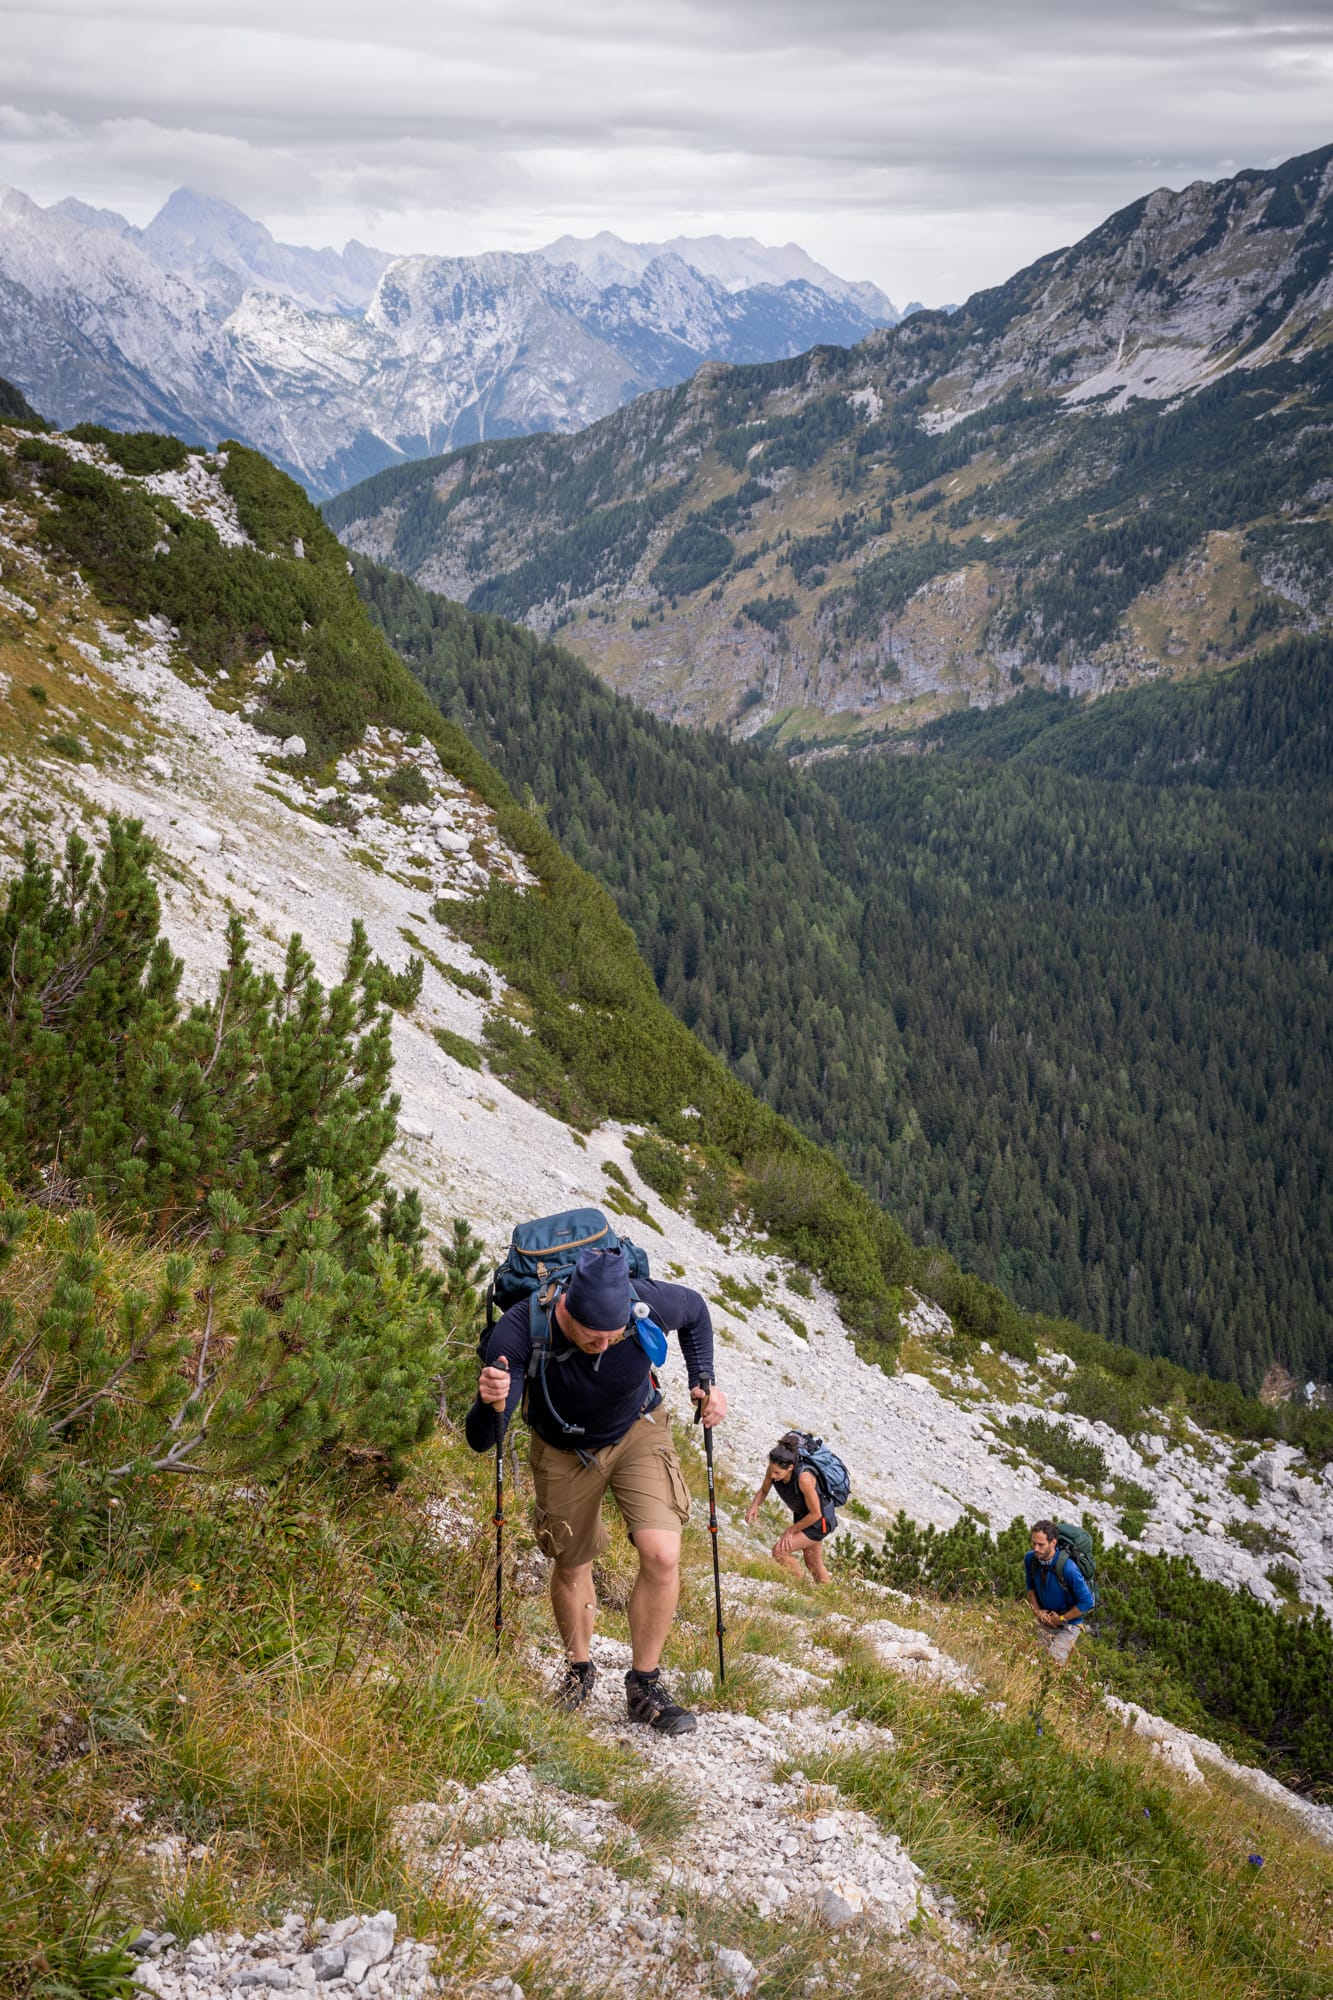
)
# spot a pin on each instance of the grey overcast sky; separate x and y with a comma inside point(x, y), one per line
point(931, 145)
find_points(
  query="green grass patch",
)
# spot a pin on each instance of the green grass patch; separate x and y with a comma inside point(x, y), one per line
point(459, 1047)
point(1093, 1874)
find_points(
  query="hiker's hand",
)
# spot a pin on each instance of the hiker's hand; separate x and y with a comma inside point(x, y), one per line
point(787, 1542)
point(493, 1388)
point(715, 1405)
point(752, 1513)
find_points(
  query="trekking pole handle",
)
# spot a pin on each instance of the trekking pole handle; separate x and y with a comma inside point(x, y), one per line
point(706, 1384)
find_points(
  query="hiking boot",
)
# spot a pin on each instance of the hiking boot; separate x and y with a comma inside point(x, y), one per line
point(648, 1701)
point(577, 1685)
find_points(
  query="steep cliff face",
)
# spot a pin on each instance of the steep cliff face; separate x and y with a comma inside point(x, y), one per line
point(339, 363)
point(1113, 466)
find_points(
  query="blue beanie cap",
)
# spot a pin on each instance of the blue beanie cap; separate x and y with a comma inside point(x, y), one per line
point(598, 1294)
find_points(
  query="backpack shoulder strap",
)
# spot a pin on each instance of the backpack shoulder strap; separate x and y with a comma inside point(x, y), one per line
point(1063, 1557)
point(539, 1325)
point(541, 1307)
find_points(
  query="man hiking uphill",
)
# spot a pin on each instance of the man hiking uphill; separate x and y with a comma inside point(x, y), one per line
point(1058, 1592)
point(595, 1420)
point(813, 1516)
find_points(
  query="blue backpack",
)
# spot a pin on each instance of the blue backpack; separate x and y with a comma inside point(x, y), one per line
point(541, 1259)
point(829, 1470)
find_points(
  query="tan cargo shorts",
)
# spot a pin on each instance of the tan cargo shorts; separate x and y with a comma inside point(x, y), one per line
point(642, 1471)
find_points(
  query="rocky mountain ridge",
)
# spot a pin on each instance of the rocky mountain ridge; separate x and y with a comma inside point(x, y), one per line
point(1111, 467)
point(336, 364)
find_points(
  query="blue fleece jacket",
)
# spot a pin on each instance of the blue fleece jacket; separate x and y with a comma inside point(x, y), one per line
point(1058, 1593)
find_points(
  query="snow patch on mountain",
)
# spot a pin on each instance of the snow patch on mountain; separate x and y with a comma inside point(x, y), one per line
point(339, 363)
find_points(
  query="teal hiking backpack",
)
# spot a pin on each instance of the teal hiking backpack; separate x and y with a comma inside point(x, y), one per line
point(1071, 1540)
point(540, 1261)
point(829, 1470)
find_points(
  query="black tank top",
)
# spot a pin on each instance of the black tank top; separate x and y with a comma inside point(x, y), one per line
point(789, 1492)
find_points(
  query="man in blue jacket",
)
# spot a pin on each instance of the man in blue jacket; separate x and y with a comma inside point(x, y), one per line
point(1057, 1592)
point(596, 1420)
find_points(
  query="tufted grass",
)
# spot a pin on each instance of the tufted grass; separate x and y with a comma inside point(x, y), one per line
point(1048, 1824)
point(268, 1677)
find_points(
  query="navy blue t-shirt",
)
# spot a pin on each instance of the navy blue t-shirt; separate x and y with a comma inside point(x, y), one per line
point(598, 1395)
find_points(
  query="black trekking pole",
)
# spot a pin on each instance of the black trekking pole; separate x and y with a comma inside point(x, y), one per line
point(706, 1385)
point(499, 1518)
point(499, 1538)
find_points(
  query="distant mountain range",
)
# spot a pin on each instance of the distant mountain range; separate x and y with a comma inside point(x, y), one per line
point(1116, 464)
point(339, 364)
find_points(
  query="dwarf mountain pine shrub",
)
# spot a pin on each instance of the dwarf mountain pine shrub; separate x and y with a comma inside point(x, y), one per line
point(294, 1310)
point(108, 1083)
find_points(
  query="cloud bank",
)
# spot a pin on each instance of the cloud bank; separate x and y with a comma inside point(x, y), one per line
point(931, 147)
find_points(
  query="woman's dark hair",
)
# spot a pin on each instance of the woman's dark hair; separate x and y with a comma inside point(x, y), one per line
point(784, 1453)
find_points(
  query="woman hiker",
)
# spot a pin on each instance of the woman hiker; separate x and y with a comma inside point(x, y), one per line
point(813, 1518)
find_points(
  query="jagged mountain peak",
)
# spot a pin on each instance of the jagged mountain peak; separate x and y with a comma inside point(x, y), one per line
point(738, 263)
point(339, 363)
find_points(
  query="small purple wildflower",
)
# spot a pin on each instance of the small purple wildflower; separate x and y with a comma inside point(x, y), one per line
point(1255, 1860)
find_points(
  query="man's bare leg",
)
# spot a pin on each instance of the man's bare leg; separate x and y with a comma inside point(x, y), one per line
point(574, 1602)
point(656, 1593)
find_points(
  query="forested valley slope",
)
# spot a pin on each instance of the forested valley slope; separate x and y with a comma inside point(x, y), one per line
point(1112, 467)
point(1055, 992)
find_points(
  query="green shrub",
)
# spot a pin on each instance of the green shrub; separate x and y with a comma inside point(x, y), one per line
point(696, 555)
point(661, 1166)
point(386, 988)
point(1073, 1458)
point(793, 1320)
point(468, 982)
point(770, 612)
point(16, 410)
point(151, 1108)
point(66, 745)
point(407, 785)
point(459, 1047)
point(1259, 1540)
point(138, 452)
point(1129, 1493)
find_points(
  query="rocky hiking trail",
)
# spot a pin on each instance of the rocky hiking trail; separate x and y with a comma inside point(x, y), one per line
point(582, 1893)
point(594, 1898)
